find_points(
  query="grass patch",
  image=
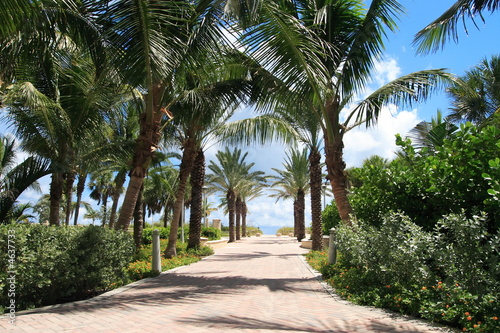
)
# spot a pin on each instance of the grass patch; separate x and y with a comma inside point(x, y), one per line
point(142, 266)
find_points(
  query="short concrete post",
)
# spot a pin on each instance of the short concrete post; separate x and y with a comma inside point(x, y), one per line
point(332, 248)
point(156, 251)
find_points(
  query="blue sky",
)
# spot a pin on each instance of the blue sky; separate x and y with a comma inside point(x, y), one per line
point(399, 59)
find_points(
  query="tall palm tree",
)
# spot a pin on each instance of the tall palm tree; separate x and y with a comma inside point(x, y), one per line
point(325, 53)
point(171, 34)
point(197, 180)
point(227, 177)
point(476, 94)
point(214, 93)
point(56, 108)
point(435, 35)
point(293, 183)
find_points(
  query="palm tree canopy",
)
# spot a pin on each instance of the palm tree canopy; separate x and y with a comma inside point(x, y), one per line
point(476, 95)
point(232, 171)
point(294, 178)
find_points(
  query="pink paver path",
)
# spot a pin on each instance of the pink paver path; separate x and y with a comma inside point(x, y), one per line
point(254, 285)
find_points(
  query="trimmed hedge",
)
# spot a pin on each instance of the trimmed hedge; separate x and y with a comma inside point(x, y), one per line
point(55, 264)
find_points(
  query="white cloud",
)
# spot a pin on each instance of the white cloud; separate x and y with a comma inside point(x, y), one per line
point(361, 143)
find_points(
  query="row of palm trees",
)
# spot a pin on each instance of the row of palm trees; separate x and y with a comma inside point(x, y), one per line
point(102, 85)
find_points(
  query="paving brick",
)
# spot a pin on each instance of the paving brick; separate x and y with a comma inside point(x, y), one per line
point(254, 285)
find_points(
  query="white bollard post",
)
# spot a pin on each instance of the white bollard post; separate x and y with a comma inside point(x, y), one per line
point(332, 248)
point(156, 251)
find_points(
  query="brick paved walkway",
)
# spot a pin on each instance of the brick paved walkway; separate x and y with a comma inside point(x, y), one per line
point(256, 285)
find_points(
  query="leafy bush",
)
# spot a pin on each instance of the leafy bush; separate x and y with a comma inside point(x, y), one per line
point(147, 234)
point(330, 217)
point(211, 233)
point(58, 263)
point(448, 275)
point(425, 185)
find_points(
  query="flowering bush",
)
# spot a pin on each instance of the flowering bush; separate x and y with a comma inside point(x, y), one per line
point(449, 275)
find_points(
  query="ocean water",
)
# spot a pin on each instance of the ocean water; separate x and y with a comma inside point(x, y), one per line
point(268, 229)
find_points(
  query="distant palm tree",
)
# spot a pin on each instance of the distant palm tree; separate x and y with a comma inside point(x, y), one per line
point(160, 190)
point(293, 183)
point(227, 176)
point(101, 190)
point(437, 33)
point(247, 192)
point(476, 94)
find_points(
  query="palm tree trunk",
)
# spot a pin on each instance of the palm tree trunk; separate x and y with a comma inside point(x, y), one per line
point(231, 203)
point(335, 165)
point(70, 179)
point(146, 144)
point(336, 175)
point(104, 209)
point(197, 182)
point(243, 219)
point(301, 216)
point(315, 185)
point(238, 217)
point(138, 220)
point(119, 181)
point(56, 190)
point(188, 158)
point(296, 219)
point(80, 187)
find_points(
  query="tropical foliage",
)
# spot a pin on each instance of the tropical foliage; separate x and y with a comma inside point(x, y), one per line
point(448, 274)
point(62, 263)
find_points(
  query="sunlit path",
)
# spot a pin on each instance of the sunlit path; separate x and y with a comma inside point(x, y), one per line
point(256, 285)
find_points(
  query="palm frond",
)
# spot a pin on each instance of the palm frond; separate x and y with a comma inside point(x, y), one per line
point(404, 91)
point(445, 28)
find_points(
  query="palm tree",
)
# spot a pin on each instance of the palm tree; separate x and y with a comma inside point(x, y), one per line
point(325, 53)
point(214, 93)
point(228, 176)
point(476, 95)
point(431, 135)
point(155, 39)
point(247, 192)
point(18, 214)
point(293, 183)
point(197, 180)
point(15, 178)
point(160, 190)
point(437, 33)
point(56, 108)
point(101, 188)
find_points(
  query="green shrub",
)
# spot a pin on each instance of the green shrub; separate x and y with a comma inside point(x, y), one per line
point(330, 217)
point(285, 230)
point(57, 263)
point(448, 275)
point(252, 231)
point(211, 233)
point(147, 234)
